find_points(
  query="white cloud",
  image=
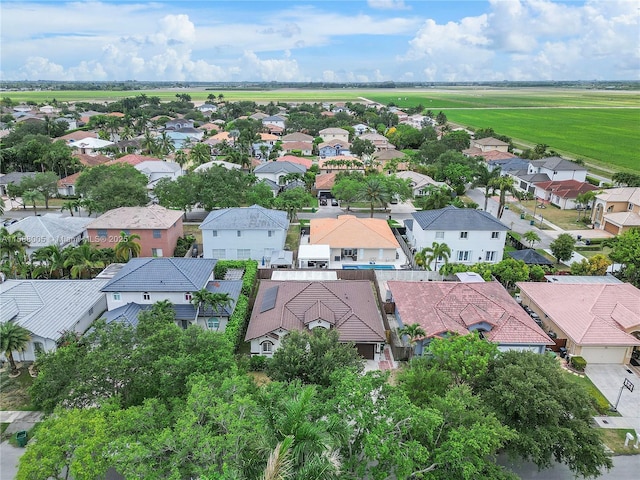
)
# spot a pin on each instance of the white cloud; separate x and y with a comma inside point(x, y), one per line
point(532, 39)
point(283, 70)
point(387, 4)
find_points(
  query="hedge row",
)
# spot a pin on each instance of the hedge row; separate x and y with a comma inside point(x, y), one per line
point(238, 322)
point(250, 268)
point(579, 363)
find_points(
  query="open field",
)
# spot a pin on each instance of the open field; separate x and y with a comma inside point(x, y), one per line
point(603, 136)
point(600, 126)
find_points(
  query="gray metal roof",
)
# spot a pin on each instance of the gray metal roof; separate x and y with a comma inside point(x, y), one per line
point(277, 167)
point(162, 275)
point(533, 177)
point(282, 257)
point(530, 257)
point(231, 287)
point(582, 279)
point(127, 314)
point(254, 217)
point(50, 229)
point(557, 163)
point(15, 177)
point(453, 218)
point(49, 307)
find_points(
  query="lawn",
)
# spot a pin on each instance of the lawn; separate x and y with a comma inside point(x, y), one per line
point(14, 393)
point(565, 219)
point(614, 439)
point(293, 238)
point(600, 401)
point(602, 136)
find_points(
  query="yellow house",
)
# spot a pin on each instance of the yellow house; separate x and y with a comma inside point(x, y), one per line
point(617, 210)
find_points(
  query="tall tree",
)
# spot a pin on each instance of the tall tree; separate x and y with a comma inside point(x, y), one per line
point(84, 260)
point(486, 178)
point(436, 252)
point(562, 247)
point(374, 191)
point(113, 186)
point(13, 338)
point(504, 184)
point(531, 237)
point(32, 196)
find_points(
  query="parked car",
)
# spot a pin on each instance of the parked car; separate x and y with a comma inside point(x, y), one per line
point(334, 202)
point(323, 202)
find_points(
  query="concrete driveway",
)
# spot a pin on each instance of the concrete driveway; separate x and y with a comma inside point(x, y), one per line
point(609, 379)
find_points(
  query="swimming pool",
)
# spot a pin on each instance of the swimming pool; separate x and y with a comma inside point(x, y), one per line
point(368, 267)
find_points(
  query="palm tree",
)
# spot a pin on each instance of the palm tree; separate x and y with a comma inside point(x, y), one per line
point(279, 465)
point(13, 246)
point(48, 262)
point(436, 197)
point(531, 237)
point(505, 184)
point(165, 144)
point(32, 196)
point(72, 205)
point(486, 178)
point(127, 248)
point(583, 200)
point(420, 259)
point(200, 154)
point(374, 191)
point(203, 298)
point(414, 332)
point(83, 260)
point(436, 252)
point(13, 337)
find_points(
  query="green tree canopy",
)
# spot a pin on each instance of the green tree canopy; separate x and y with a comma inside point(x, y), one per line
point(562, 247)
point(113, 186)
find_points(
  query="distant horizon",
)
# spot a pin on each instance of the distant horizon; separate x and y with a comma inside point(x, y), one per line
point(312, 41)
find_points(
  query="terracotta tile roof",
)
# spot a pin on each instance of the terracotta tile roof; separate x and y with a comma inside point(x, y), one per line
point(566, 188)
point(133, 159)
point(297, 137)
point(589, 314)
point(334, 131)
point(350, 231)
point(490, 141)
point(116, 114)
point(349, 306)
point(268, 136)
point(306, 162)
point(325, 181)
point(287, 147)
point(136, 218)
point(441, 307)
point(68, 181)
point(91, 160)
point(497, 155)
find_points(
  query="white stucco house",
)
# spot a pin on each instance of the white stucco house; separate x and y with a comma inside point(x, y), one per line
point(144, 281)
point(472, 235)
point(244, 233)
point(49, 308)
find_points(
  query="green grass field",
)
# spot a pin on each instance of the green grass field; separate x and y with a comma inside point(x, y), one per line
point(600, 126)
point(603, 136)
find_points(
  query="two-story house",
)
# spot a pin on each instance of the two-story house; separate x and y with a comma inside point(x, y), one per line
point(50, 308)
point(473, 236)
point(333, 148)
point(275, 120)
point(144, 281)
point(333, 133)
point(274, 171)
point(158, 228)
point(379, 141)
point(617, 209)
point(244, 233)
point(548, 169)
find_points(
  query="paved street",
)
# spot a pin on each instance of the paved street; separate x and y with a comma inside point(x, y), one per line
point(10, 455)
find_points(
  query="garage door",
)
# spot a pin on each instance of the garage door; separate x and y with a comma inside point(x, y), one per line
point(611, 228)
point(603, 354)
point(365, 350)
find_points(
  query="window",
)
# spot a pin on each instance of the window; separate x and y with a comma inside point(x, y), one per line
point(117, 296)
point(188, 297)
point(38, 348)
point(490, 256)
point(219, 253)
point(213, 323)
point(439, 234)
point(91, 311)
point(156, 252)
point(157, 234)
point(630, 207)
point(244, 253)
point(464, 255)
point(146, 296)
point(267, 347)
point(495, 234)
point(239, 233)
point(464, 234)
point(214, 233)
point(102, 233)
point(271, 232)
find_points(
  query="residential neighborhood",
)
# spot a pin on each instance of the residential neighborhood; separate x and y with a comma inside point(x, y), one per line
point(262, 229)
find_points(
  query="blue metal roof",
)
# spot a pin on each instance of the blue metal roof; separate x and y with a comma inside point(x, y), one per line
point(250, 218)
point(162, 275)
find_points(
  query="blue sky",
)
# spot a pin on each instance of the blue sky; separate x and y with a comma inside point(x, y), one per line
point(330, 40)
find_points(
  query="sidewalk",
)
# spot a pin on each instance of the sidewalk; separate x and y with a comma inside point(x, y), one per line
point(10, 455)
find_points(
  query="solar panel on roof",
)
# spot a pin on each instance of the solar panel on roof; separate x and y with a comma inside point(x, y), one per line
point(269, 299)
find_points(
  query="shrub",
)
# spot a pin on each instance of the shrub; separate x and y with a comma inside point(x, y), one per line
point(257, 363)
point(578, 363)
point(183, 245)
point(238, 322)
point(249, 277)
point(593, 181)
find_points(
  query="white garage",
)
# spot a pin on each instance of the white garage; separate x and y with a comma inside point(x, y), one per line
point(604, 354)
